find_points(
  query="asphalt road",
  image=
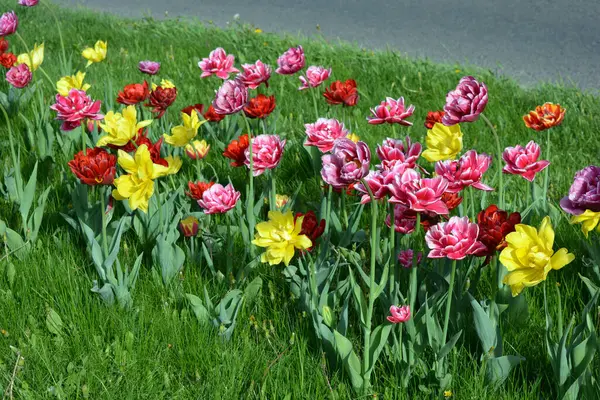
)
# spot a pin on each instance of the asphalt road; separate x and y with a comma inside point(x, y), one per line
point(530, 40)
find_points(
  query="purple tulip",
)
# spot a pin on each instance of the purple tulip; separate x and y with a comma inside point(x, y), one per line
point(8, 23)
point(466, 102)
point(584, 193)
point(291, 61)
point(231, 97)
point(149, 67)
point(348, 163)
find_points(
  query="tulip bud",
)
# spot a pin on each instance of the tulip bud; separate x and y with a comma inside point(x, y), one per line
point(197, 150)
point(189, 226)
point(327, 316)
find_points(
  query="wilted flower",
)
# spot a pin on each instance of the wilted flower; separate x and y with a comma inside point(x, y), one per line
point(19, 76)
point(160, 99)
point(218, 63)
point(74, 108)
point(231, 97)
point(28, 3)
point(134, 93)
point(467, 171)
point(255, 74)
point(433, 117)
point(315, 76)
point(544, 117)
point(583, 201)
point(454, 239)
point(7, 60)
point(396, 151)
point(494, 224)
point(197, 150)
point(466, 102)
point(189, 226)
point(219, 199)
point(348, 163)
point(342, 93)
point(182, 134)
point(236, 150)
point(95, 54)
point(529, 256)
point(66, 83)
point(149, 67)
point(443, 142)
point(399, 314)
point(281, 236)
point(391, 111)
point(266, 153)
point(96, 167)
point(33, 59)
point(524, 160)
point(324, 133)
point(312, 227)
point(8, 23)
point(406, 258)
point(197, 189)
point(121, 128)
point(260, 106)
point(291, 61)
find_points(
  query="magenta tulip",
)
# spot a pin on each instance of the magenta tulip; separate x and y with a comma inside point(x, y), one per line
point(218, 63)
point(74, 108)
point(291, 61)
point(324, 133)
point(455, 239)
point(231, 97)
point(524, 160)
point(218, 199)
point(255, 74)
point(391, 111)
point(315, 76)
point(266, 153)
point(466, 102)
point(467, 171)
point(19, 76)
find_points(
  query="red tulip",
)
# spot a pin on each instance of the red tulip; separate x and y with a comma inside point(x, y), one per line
point(433, 117)
point(342, 93)
point(494, 224)
point(160, 99)
point(97, 167)
point(133, 94)
point(236, 151)
point(197, 189)
point(260, 106)
point(311, 226)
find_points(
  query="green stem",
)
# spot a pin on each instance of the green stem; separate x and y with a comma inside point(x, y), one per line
point(413, 271)
point(499, 157)
point(103, 212)
point(344, 211)
point(157, 194)
point(13, 153)
point(83, 138)
point(546, 174)
point(328, 216)
point(472, 201)
point(273, 191)
point(560, 315)
point(449, 302)
point(314, 96)
point(250, 195)
point(393, 260)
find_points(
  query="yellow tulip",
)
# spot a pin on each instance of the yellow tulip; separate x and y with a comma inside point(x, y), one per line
point(165, 84)
point(354, 137)
point(121, 128)
point(443, 142)
point(174, 163)
point(588, 220)
point(138, 185)
point(66, 83)
point(529, 256)
point(95, 54)
point(182, 134)
point(34, 59)
point(281, 236)
point(281, 200)
point(198, 149)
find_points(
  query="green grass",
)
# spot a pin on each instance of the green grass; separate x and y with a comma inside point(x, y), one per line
point(158, 350)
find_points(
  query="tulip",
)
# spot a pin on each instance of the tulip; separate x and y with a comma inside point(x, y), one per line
point(218, 63)
point(197, 189)
point(312, 227)
point(466, 102)
point(405, 220)
point(231, 97)
point(198, 107)
point(219, 199)
point(281, 200)
point(291, 61)
point(281, 236)
point(95, 54)
point(19, 76)
point(266, 153)
point(7, 60)
point(120, 129)
point(182, 134)
point(3, 45)
point(255, 74)
point(315, 76)
point(149, 67)
point(455, 239)
point(96, 167)
point(406, 258)
point(212, 116)
point(66, 83)
point(443, 142)
point(494, 224)
point(396, 151)
point(161, 98)
point(467, 171)
point(524, 161)
point(134, 93)
point(584, 193)
point(28, 3)
point(8, 23)
point(74, 108)
point(33, 59)
point(391, 111)
point(399, 314)
point(260, 106)
point(348, 163)
point(544, 117)
point(236, 151)
point(197, 150)
point(433, 117)
point(189, 226)
point(342, 93)
point(324, 133)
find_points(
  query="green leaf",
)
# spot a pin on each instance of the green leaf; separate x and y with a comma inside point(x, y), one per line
point(11, 272)
point(359, 298)
point(26, 198)
point(449, 345)
point(351, 361)
point(379, 338)
point(563, 364)
point(582, 355)
point(252, 290)
point(198, 308)
point(498, 368)
point(485, 327)
point(54, 322)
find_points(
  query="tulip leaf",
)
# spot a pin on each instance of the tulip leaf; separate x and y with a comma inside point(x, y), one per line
point(198, 308)
point(252, 290)
point(379, 338)
point(484, 326)
point(351, 361)
point(449, 345)
point(54, 322)
point(582, 355)
point(562, 361)
point(498, 368)
point(26, 198)
point(359, 298)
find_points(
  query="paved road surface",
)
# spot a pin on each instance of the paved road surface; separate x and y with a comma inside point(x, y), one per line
point(530, 40)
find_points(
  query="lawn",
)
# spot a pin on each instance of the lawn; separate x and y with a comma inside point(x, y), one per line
point(74, 346)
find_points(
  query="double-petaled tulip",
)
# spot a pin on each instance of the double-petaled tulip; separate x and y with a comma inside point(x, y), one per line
point(134, 93)
point(189, 226)
point(324, 133)
point(406, 258)
point(74, 108)
point(443, 142)
point(66, 83)
point(467, 171)
point(7, 60)
point(95, 54)
point(8, 23)
point(544, 117)
point(266, 153)
point(455, 239)
point(28, 3)
point(96, 167)
point(212, 116)
point(236, 150)
point(161, 98)
point(399, 314)
point(452, 200)
point(583, 201)
point(494, 224)
point(260, 106)
point(377, 182)
point(19, 76)
point(149, 67)
point(231, 97)
point(197, 189)
point(219, 199)
point(433, 117)
point(419, 194)
point(348, 163)
point(34, 58)
point(391, 111)
point(524, 160)
point(218, 63)
point(466, 102)
point(253, 75)
point(291, 61)
point(530, 256)
point(405, 220)
point(182, 134)
point(342, 93)
point(3, 45)
point(281, 236)
point(312, 227)
point(396, 151)
point(120, 129)
point(197, 150)
point(315, 76)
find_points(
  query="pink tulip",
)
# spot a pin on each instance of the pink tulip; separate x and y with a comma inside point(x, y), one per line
point(524, 160)
point(149, 67)
point(315, 76)
point(231, 97)
point(19, 76)
point(348, 163)
point(466, 102)
point(399, 314)
point(255, 74)
point(324, 133)
point(419, 194)
point(266, 153)
point(8, 23)
point(467, 171)
point(28, 3)
point(218, 63)
point(394, 151)
point(218, 199)
point(379, 182)
point(454, 239)
point(405, 220)
point(74, 108)
point(291, 61)
point(391, 111)
point(406, 258)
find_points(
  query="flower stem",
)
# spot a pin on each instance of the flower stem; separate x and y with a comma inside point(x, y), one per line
point(344, 211)
point(83, 138)
point(250, 195)
point(392, 273)
point(413, 271)
point(314, 96)
point(449, 302)
point(273, 191)
point(103, 212)
point(547, 175)
point(499, 156)
point(328, 208)
point(560, 316)
point(13, 153)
